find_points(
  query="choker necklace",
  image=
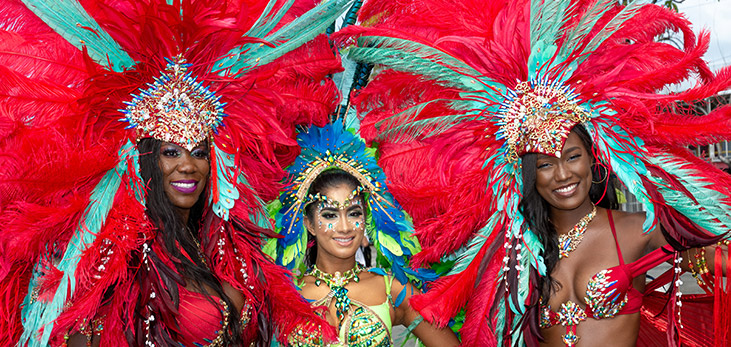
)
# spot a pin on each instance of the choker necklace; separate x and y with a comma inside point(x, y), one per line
point(568, 242)
point(337, 283)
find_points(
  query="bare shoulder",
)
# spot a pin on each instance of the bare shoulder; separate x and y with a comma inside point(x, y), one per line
point(310, 290)
point(372, 280)
point(630, 224)
point(628, 221)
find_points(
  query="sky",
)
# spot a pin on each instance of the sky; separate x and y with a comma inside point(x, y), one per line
point(714, 15)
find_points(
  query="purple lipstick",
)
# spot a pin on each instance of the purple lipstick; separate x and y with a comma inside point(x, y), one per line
point(185, 186)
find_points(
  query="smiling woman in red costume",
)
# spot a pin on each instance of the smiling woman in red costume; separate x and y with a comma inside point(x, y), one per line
point(504, 126)
point(145, 135)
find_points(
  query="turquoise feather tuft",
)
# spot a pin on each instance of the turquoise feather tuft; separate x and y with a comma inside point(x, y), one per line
point(69, 19)
point(293, 35)
point(39, 315)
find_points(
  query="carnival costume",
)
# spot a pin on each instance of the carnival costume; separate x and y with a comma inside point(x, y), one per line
point(82, 82)
point(467, 88)
point(337, 146)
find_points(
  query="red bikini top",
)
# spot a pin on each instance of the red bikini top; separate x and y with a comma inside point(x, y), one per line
point(201, 322)
point(609, 292)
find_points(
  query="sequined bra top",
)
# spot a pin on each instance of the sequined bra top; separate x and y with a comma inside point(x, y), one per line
point(608, 293)
point(364, 326)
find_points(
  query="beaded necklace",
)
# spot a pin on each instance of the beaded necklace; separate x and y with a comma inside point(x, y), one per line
point(337, 282)
point(568, 242)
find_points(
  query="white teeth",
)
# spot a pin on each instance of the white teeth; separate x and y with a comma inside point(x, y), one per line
point(183, 185)
point(343, 240)
point(567, 189)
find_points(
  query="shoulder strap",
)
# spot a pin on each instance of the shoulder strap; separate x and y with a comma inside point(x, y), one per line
point(614, 233)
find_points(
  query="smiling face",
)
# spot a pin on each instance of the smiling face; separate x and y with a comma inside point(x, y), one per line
point(337, 224)
point(185, 174)
point(565, 182)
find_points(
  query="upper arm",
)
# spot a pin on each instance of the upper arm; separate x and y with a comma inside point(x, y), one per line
point(400, 294)
point(428, 333)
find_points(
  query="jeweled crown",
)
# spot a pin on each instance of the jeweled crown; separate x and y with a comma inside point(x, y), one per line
point(176, 108)
point(537, 116)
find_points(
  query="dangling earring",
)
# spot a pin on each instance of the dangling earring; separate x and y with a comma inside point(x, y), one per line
point(598, 169)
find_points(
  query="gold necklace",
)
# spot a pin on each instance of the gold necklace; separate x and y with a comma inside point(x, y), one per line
point(568, 242)
point(198, 247)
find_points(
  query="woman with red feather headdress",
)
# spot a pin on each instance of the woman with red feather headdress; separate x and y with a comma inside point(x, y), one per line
point(503, 123)
point(140, 139)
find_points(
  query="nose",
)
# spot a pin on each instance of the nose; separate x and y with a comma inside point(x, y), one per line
point(562, 172)
point(342, 225)
point(185, 163)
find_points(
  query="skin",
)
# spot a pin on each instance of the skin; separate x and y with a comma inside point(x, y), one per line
point(564, 183)
point(336, 248)
point(180, 169)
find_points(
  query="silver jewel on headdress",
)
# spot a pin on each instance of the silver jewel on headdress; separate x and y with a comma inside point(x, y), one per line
point(537, 116)
point(176, 108)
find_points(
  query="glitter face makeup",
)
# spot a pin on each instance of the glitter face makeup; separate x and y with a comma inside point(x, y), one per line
point(339, 222)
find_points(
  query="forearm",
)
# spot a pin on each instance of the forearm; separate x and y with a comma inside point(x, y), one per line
point(432, 335)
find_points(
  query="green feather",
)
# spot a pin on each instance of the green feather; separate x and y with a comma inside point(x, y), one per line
point(435, 125)
point(291, 36)
point(611, 27)
point(704, 208)
point(69, 19)
point(547, 18)
point(42, 314)
point(407, 62)
point(267, 21)
point(390, 244)
point(419, 50)
point(587, 22)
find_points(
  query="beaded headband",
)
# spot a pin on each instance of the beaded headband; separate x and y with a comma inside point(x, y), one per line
point(176, 108)
point(303, 181)
point(328, 202)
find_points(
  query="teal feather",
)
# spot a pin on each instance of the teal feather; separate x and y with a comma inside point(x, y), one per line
point(267, 21)
point(611, 27)
point(586, 24)
point(293, 35)
point(69, 19)
point(623, 152)
point(704, 209)
point(466, 254)
point(227, 193)
point(547, 19)
point(406, 62)
point(41, 314)
point(418, 50)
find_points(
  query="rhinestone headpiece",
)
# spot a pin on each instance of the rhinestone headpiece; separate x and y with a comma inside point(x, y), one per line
point(176, 108)
point(537, 117)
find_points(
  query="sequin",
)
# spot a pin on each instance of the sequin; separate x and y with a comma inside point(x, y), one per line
point(176, 108)
point(537, 116)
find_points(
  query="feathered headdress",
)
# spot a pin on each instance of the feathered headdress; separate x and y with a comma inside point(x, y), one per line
point(335, 147)
point(82, 81)
point(468, 87)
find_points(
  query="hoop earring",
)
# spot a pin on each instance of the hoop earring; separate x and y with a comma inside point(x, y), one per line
point(597, 168)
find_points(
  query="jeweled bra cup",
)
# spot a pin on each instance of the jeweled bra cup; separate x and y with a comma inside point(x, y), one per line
point(602, 299)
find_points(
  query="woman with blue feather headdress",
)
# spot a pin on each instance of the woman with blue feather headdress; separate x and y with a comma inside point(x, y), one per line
point(336, 197)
